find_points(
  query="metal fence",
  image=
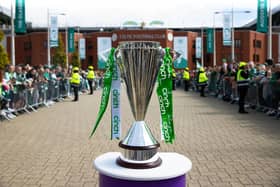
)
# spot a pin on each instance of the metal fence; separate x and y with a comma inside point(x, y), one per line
point(27, 99)
point(263, 95)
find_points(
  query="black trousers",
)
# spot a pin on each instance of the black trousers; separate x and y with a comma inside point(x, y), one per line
point(76, 92)
point(242, 92)
point(202, 88)
point(173, 84)
point(187, 85)
point(90, 81)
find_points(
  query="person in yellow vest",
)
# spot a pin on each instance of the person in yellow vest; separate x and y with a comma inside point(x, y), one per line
point(173, 79)
point(75, 82)
point(242, 78)
point(186, 77)
point(90, 78)
point(202, 81)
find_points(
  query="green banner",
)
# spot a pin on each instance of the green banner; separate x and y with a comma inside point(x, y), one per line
point(164, 92)
point(106, 90)
point(210, 40)
point(262, 16)
point(71, 43)
point(20, 26)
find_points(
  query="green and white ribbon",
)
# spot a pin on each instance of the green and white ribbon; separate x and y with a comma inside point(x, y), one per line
point(115, 103)
point(106, 90)
point(164, 92)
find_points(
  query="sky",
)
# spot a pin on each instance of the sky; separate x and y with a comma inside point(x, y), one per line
point(107, 13)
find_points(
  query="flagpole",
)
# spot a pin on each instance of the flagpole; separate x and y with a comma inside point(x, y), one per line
point(202, 52)
point(13, 37)
point(214, 40)
point(270, 32)
point(48, 38)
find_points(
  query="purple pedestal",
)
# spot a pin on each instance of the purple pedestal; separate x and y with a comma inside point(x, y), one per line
point(171, 173)
point(106, 181)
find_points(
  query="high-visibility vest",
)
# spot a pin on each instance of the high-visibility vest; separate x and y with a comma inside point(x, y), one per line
point(241, 81)
point(202, 79)
point(75, 79)
point(90, 75)
point(186, 75)
point(173, 73)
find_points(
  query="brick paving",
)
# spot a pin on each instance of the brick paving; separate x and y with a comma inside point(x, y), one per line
point(51, 147)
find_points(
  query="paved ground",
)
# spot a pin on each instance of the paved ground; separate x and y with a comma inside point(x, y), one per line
point(51, 147)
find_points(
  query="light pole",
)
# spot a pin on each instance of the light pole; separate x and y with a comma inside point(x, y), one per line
point(232, 12)
point(48, 37)
point(214, 42)
point(270, 33)
point(13, 59)
point(202, 52)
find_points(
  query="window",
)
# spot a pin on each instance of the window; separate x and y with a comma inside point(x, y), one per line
point(27, 46)
point(257, 44)
point(237, 43)
point(28, 59)
point(90, 59)
point(89, 45)
point(45, 44)
point(256, 58)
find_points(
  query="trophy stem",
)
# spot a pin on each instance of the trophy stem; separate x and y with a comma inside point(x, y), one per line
point(139, 148)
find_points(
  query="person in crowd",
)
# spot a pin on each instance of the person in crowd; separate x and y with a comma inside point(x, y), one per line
point(252, 70)
point(46, 73)
point(75, 83)
point(202, 81)
point(275, 84)
point(242, 78)
point(186, 77)
point(90, 78)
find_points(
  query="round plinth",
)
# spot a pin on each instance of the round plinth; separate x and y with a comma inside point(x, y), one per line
point(171, 172)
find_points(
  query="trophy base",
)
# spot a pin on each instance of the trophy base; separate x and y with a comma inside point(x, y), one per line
point(133, 165)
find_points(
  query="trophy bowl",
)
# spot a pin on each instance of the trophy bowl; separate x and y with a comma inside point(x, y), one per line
point(139, 63)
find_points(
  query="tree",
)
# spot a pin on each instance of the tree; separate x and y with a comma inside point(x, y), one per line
point(75, 59)
point(59, 57)
point(4, 60)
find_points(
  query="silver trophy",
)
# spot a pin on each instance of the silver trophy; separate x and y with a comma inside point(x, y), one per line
point(139, 64)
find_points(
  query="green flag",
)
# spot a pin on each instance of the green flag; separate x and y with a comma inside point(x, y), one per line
point(20, 17)
point(71, 46)
point(210, 40)
point(262, 16)
point(106, 90)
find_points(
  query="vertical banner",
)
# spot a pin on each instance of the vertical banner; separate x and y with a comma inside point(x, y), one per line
point(20, 26)
point(198, 47)
point(82, 48)
point(210, 40)
point(115, 103)
point(227, 29)
point(262, 16)
point(54, 32)
point(71, 44)
point(104, 45)
point(180, 44)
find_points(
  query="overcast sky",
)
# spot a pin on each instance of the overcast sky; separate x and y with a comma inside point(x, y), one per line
point(174, 13)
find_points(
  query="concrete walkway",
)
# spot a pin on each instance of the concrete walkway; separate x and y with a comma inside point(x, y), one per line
point(51, 147)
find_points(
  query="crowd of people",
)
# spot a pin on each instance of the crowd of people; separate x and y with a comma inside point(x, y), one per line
point(24, 86)
point(249, 85)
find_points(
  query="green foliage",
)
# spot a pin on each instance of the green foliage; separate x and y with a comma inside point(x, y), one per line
point(59, 57)
point(4, 60)
point(75, 59)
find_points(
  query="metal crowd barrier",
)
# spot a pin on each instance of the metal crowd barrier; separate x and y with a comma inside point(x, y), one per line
point(262, 94)
point(29, 99)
